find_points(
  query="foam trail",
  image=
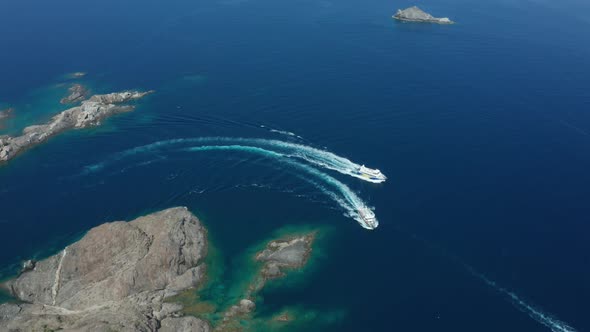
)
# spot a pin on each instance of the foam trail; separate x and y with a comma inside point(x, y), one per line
point(311, 155)
point(345, 197)
point(541, 317)
point(534, 312)
point(286, 133)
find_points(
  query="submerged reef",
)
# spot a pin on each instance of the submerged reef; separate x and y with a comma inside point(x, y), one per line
point(276, 259)
point(415, 14)
point(5, 114)
point(90, 113)
point(76, 75)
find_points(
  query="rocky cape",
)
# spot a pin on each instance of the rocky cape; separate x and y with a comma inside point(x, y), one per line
point(116, 278)
point(415, 14)
point(90, 113)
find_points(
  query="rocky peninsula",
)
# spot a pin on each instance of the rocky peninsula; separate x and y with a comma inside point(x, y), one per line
point(127, 276)
point(76, 94)
point(114, 279)
point(415, 14)
point(90, 113)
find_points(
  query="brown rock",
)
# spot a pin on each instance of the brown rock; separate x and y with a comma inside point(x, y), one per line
point(116, 277)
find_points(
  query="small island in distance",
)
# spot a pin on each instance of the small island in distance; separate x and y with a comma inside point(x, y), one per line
point(415, 14)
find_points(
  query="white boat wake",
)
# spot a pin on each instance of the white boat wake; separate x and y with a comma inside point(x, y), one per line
point(541, 317)
point(316, 157)
point(281, 132)
point(341, 193)
point(532, 311)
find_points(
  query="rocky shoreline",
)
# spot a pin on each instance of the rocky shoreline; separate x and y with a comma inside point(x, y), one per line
point(124, 276)
point(114, 279)
point(415, 14)
point(90, 113)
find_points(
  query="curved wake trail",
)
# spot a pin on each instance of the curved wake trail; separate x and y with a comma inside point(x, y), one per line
point(541, 317)
point(533, 312)
point(343, 195)
point(317, 157)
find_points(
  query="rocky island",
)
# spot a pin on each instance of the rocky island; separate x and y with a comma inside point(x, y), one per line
point(415, 14)
point(90, 113)
point(76, 94)
point(279, 257)
point(125, 276)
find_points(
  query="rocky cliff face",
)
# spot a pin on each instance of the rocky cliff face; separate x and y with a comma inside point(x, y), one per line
point(415, 14)
point(90, 113)
point(114, 279)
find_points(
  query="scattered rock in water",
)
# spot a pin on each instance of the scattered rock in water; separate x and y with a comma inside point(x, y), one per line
point(78, 74)
point(5, 114)
point(77, 93)
point(115, 278)
point(28, 265)
point(245, 306)
point(284, 317)
point(415, 14)
point(279, 256)
point(90, 113)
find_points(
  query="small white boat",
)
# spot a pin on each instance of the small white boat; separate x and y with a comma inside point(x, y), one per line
point(369, 174)
point(369, 221)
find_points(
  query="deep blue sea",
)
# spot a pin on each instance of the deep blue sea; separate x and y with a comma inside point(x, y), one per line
point(482, 127)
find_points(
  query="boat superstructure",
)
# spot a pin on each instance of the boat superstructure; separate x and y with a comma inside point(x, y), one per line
point(369, 221)
point(369, 174)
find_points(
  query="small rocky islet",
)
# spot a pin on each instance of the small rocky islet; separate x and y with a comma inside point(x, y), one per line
point(415, 14)
point(124, 276)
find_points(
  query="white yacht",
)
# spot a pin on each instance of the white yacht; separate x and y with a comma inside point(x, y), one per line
point(368, 218)
point(369, 174)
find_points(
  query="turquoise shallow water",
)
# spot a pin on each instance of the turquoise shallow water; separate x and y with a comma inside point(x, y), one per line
point(481, 128)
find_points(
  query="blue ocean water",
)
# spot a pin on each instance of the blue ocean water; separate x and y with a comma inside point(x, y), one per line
point(482, 128)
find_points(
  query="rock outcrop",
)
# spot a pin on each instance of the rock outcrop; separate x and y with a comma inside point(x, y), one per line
point(283, 254)
point(90, 113)
point(288, 253)
point(415, 14)
point(75, 75)
point(114, 279)
point(76, 94)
